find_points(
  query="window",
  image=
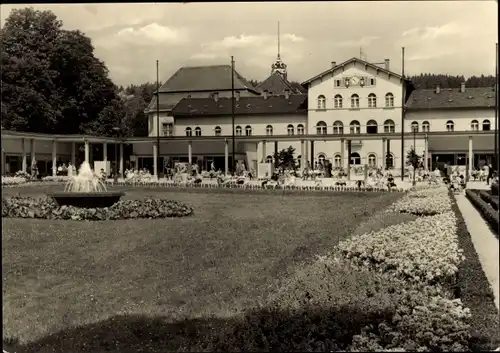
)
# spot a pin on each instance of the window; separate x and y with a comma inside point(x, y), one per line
point(426, 127)
point(321, 102)
point(355, 158)
point(269, 159)
point(189, 132)
point(337, 161)
point(167, 129)
point(389, 126)
point(218, 131)
point(372, 160)
point(355, 127)
point(486, 125)
point(389, 100)
point(338, 128)
point(474, 125)
point(248, 130)
point(371, 127)
point(290, 130)
point(300, 129)
point(337, 83)
point(321, 158)
point(321, 128)
point(372, 100)
point(372, 81)
point(269, 130)
point(197, 131)
point(389, 160)
point(414, 126)
point(238, 130)
point(450, 126)
point(354, 101)
point(337, 101)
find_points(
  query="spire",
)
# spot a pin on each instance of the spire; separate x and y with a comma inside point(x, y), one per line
point(278, 40)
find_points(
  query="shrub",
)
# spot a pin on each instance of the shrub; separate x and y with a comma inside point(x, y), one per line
point(486, 210)
point(489, 198)
point(47, 208)
point(494, 189)
point(22, 174)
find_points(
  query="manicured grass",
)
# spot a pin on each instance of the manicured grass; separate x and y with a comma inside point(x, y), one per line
point(122, 285)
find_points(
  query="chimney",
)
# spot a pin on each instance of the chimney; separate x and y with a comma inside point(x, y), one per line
point(265, 94)
point(438, 89)
point(334, 63)
point(387, 63)
point(216, 96)
point(287, 93)
point(462, 87)
point(237, 95)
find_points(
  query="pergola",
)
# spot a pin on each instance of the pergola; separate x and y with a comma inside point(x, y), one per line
point(448, 140)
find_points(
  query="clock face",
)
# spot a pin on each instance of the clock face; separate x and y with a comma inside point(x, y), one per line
point(354, 80)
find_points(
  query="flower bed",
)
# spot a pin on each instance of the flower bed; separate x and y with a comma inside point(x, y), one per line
point(13, 181)
point(56, 179)
point(485, 209)
point(424, 202)
point(46, 208)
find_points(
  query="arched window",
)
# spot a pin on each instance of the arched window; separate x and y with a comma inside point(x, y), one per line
point(269, 159)
point(355, 158)
point(355, 127)
point(372, 160)
point(238, 130)
point(450, 126)
point(321, 102)
point(337, 101)
point(338, 128)
point(189, 132)
point(414, 126)
point(426, 127)
point(372, 100)
point(474, 125)
point(337, 161)
point(218, 131)
point(486, 125)
point(354, 101)
point(389, 160)
point(300, 129)
point(299, 161)
point(290, 130)
point(389, 100)
point(248, 130)
point(269, 130)
point(321, 128)
point(321, 158)
point(371, 127)
point(197, 131)
point(389, 126)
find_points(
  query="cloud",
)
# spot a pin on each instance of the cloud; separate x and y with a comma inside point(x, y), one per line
point(204, 56)
point(363, 42)
point(152, 33)
point(293, 37)
point(435, 32)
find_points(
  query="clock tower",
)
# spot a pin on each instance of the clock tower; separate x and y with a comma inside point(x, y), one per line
point(279, 66)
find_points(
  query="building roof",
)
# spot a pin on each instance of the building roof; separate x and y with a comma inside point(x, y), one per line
point(373, 66)
point(205, 78)
point(451, 98)
point(276, 84)
point(244, 106)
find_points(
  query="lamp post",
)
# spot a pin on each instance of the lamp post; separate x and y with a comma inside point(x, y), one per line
point(117, 131)
point(414, 129)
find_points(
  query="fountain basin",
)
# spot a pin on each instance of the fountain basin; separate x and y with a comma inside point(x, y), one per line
point(87, 199)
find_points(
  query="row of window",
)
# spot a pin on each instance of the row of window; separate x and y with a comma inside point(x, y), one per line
point(338, 101)
point(338, 128)
point(337, 159)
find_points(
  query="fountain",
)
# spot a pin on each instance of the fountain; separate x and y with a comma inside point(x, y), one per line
point(86, 190)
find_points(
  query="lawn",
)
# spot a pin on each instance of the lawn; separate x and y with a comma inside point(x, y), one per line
point(91, 286)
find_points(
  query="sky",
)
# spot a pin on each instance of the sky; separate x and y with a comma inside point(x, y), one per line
point(449, 37)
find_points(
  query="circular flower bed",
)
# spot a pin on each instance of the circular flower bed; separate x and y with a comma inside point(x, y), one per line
point(46, 208)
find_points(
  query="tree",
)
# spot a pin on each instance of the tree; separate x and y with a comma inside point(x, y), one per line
point(413, 159)
point(51, 80)
point(285, 159)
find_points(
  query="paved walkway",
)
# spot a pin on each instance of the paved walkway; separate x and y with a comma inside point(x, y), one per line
point(484, 241)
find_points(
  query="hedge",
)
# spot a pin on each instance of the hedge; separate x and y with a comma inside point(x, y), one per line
point(489, 198)
point(486, 210)
point(475, 291)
